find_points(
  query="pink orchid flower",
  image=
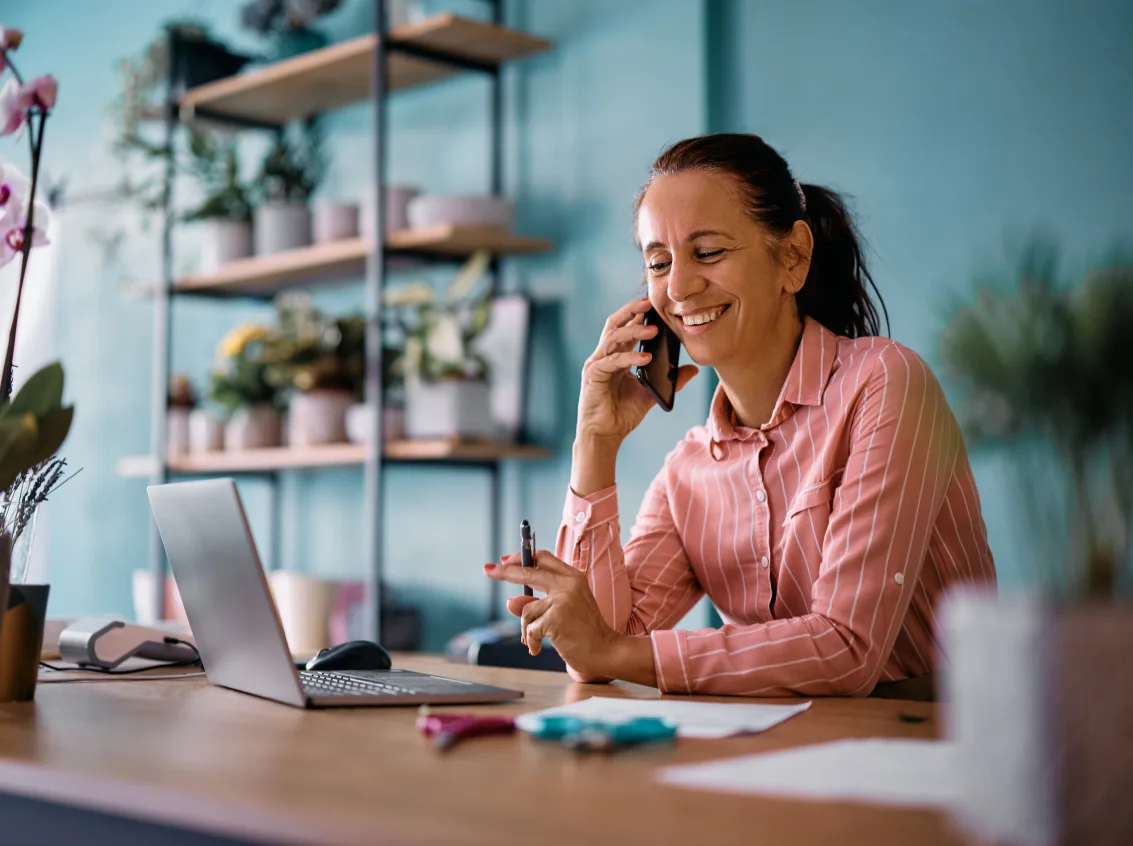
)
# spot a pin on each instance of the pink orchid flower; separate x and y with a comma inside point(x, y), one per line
point(15, 189)
point(16, 100)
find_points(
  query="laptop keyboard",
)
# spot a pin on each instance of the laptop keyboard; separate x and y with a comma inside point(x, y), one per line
point(342, 684)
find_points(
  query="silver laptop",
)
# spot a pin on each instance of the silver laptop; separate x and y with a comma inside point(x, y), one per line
point(236, 624)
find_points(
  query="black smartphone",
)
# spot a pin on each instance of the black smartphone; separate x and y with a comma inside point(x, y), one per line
point(660, 374)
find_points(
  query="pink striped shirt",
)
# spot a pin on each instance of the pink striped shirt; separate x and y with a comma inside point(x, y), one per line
point(824, 538)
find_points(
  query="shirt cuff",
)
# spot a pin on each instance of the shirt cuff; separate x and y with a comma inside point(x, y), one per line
point(669, 648)
point(583, 513)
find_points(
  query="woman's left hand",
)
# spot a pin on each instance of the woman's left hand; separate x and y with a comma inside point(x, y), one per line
point(568, 614)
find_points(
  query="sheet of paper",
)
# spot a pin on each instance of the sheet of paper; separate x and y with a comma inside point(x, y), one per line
point(918, 773)
point(693, 719)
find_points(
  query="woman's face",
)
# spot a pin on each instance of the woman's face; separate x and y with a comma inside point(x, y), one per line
point(712, 272)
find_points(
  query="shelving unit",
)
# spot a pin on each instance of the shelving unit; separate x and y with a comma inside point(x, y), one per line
point(368, 68)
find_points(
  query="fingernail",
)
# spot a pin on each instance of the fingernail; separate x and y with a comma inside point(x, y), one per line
point(489, 567)
point(646, 357)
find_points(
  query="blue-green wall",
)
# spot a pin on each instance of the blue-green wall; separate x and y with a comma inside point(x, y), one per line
point(953, 124)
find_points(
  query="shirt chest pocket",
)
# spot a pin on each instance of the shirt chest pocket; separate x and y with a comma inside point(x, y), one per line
point(808, 515)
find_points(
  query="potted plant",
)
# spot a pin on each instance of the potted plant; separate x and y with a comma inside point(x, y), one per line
point(291, 170)
point(226, 208)
point(320, 363)
point(446, 382)
point(240, 385)
point(181, 402)
point(287, 23)
point(1039, 685)
point(359, 417)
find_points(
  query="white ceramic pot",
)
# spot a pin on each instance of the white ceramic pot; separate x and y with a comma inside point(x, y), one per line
point(177, 431)
point(252, 428)
point(304, 606)
point(334, 221)
point(360, 425)
point(280, 227)
point(398, 198)
point(432, 210)
point(1040, 702)
point(226, 241)
point(318, 417)
point(206, 432)
point(448, 408)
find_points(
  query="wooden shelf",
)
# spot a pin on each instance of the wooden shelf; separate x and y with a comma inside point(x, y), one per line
point(340, 75)
point(331, 455)
point(323, 263)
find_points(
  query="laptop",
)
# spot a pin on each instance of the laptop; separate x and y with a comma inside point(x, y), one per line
point(236, 624)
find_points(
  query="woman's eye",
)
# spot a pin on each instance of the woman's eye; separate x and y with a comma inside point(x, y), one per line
point(709, 254)
point(658, 266)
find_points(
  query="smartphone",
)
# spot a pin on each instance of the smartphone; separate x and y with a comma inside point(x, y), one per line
point(660, 374)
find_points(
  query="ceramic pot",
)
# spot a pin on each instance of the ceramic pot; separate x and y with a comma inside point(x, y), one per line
point(280, 227)
point(359, 423)
point(206, 432)
point(252, 428)
point(435, 209)
point(335, 221)
point(398, 198)
point(448, 408)
point(1038, 698)
point(177, 430)
point(226, 241)
point(318, 417)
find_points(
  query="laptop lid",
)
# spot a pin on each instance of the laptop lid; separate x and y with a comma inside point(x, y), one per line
point(223, 588)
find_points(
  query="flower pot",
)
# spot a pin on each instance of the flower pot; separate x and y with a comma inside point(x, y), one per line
point(448, 408)
point(21, 639)
point(318, 417)
point(1040, 703)
point(252, 428)
point(335, 221)
point(280, 227)
point(177, 431)
point(436, 209)
point(206, 432)
point(398, 198)
point(226, 241)
point(360, 425)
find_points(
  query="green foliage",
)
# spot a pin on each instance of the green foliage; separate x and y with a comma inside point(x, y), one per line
point(216, 164)
point(294, 166)
point(313, 352)
point(33, 425)
point(241, 380)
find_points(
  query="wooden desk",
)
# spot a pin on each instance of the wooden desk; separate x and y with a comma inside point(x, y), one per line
point(194, 756)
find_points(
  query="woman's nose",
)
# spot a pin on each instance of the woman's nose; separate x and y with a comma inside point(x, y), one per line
point(685, 280)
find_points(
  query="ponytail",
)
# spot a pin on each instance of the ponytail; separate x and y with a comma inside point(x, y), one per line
point(836, 292)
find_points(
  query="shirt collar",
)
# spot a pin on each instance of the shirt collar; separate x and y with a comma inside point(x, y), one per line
point(805, 385)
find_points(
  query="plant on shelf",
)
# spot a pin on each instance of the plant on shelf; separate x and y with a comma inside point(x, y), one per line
point(240, 385)
point(34, 422)
point(226, 206)
point(446, 380)
point(320, 362)
point(1044, 370)
point(288, 23)
point(292, 169)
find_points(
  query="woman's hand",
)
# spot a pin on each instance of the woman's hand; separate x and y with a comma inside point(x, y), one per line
point(568, 614)
point(612, 403)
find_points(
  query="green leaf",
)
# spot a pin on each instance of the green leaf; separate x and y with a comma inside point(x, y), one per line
point(16, 437)
point(42, 393)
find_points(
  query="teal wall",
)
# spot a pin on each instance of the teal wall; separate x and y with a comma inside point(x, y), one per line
point(958, 128)
point(953, 125)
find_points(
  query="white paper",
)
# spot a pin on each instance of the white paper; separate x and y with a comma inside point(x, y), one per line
point(693, 719)
point(917, 773)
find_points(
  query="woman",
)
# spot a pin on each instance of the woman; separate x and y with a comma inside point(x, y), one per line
point(824, 508)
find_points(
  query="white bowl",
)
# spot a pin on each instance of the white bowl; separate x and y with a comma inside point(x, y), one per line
point(434, 210)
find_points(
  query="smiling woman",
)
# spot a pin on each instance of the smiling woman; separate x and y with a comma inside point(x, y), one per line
point(827, 503)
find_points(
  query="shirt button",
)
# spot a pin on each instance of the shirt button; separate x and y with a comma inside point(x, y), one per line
point(763, 562)
point(899, 578)
point(580, 517)
point(760, 495)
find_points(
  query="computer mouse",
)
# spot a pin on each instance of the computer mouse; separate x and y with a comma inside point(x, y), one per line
point(352, 655)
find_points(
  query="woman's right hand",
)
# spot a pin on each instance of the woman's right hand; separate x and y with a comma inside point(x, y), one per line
point(612, 403)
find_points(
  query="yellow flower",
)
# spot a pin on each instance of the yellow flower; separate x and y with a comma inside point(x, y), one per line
point(239, 338)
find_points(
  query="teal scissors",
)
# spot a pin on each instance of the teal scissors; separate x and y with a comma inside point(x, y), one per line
point(600, 735)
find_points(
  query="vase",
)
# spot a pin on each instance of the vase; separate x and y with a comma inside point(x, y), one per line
point(23, 611)
point(252, 428)
point(280, 227)
point(1040, 700)
point(318, 417)
point(448, 408)
point(226, 241)
point(206, 432)
point(177, 431)
point(334, 221)
point(21, 551)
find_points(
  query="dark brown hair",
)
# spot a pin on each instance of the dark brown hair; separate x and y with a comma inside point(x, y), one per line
point(835, 293)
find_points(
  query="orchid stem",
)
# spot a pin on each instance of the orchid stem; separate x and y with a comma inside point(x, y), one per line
point(36, 144)
point(11, 67)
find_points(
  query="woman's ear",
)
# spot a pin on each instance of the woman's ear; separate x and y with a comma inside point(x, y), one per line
point(798, 248)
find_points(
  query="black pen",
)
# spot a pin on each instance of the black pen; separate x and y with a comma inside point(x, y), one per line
point(527, 551)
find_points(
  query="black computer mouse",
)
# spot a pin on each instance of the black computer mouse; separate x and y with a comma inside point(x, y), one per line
point(352, 655)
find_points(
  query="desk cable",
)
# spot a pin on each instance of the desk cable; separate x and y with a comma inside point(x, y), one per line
point(196, 662)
